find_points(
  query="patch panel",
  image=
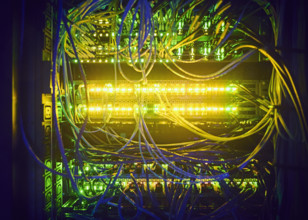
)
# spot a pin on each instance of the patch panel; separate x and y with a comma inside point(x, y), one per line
point(206, 189)
point(218, 99)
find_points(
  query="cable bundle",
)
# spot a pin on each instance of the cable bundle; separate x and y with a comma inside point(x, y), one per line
point(141, 36)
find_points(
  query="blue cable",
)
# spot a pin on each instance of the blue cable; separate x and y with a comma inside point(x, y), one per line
point(102, 199)
point(180, 213)
point(35, 157)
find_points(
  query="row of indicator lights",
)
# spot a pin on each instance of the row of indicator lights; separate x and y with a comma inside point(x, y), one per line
point(172, 90)
point(112, 60)
point(219, 53)
point(135, 34)
point(180, 50)
point(100, 186)
point(113, 34)
point(204, 51)
point(206, 25)
point(100, 21)
point(165, 166)
point(100, 47)
point(129, 109)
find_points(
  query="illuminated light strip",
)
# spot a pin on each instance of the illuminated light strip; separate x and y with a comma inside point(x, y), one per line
point(176, 90)
point(158, 109)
